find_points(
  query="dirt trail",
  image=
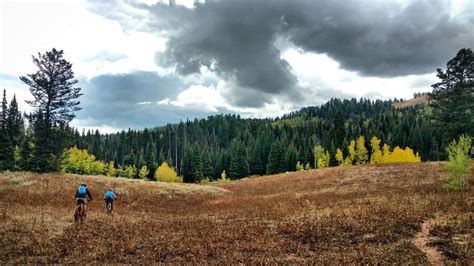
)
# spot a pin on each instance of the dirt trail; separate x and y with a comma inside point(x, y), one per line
point(421, 239)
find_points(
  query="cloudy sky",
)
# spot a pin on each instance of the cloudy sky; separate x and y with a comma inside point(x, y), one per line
point(146, 63)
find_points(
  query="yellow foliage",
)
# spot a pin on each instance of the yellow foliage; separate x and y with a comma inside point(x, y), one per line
point(352, 154)
point(377, 155)
point(143, 173)
point(110, 169)
point(321, 157)
point(79, 161)
point(223, 177)
point(361, 152)
point(130, 171)
point(386, 155)
point(164, 173)
point(339, 157)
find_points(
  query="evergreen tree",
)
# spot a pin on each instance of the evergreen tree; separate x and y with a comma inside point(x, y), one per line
point(44, 160)
point(55, 100)
point(453, 97)
point(276, 159)
point(14, 123)
point(196, 165)
point(257, 165)
point(26, 154)
point(6, 147)
point(239, 166)
point(207, 170)
point(340, 130)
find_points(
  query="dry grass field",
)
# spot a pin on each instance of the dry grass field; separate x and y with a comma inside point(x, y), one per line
point(365, 215)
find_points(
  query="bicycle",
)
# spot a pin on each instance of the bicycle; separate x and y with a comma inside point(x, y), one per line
point(109, 207)
point(80, 212)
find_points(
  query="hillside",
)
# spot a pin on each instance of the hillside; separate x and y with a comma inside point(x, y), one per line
point(422, 99)
point(366, 214)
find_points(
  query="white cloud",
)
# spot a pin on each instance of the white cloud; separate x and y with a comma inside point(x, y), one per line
point(318, 71)
point(29, 27)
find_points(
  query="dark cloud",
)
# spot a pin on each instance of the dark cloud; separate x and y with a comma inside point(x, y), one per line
point(130, 100)
point(237, 38)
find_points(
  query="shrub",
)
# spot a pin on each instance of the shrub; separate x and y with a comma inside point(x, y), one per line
point(299, 166)
point(458, 162)
point(164, 173)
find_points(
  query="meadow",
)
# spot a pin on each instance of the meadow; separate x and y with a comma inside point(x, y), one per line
point(396, 213)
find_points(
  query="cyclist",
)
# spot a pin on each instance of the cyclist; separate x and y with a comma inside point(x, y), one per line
point(82, 193)
point(109, 197)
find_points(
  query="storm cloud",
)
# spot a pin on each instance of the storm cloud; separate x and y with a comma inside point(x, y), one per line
point(242, 40)
point(131, 100)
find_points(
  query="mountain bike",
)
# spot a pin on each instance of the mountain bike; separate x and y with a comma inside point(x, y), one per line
point(109, 207)
point(80, 212)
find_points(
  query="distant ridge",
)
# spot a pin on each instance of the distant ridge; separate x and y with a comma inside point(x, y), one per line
point(419, 99)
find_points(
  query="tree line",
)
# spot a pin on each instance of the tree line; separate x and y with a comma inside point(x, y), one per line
point(230, 144)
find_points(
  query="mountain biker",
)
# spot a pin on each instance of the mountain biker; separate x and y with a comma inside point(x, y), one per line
point(82, 193)
point(109, 196)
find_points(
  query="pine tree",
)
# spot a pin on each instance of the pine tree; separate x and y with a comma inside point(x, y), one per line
point(55, 101)
point(453, 96)
point(239, 166)
point(257, 158)
point(196, 165)
point(26, 154)
point(14, 123)
point(276, 160)
point(6, 147)
point(340, 130)
point(207, 165)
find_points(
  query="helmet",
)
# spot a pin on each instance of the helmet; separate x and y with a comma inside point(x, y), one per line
point(83, 185)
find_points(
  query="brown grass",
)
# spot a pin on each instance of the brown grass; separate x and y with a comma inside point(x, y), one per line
point(423, 99)
point(366, 214)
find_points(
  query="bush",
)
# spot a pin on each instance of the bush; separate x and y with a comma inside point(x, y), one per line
point(458, 162)
point(164, 173)
point(79, 161)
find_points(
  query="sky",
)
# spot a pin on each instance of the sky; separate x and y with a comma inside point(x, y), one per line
point(146, 63)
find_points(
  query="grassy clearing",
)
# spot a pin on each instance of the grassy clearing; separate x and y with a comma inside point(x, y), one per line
point(366, 214)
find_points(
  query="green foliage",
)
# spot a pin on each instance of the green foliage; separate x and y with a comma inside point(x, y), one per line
point(239, 166)
point(110, 169)
point(6, 147)
point(143, 172)
point(164, 173)
point(299, 166)
point(339, 157)
point(79, 161)
point(276, 159)
point(321, 157)
point(458, 165)
point(453, 97)
point(130, 171)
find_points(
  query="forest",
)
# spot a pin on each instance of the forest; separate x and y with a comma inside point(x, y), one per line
point(239, 147)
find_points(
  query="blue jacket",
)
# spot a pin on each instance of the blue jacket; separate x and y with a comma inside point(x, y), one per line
point(109, 195)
